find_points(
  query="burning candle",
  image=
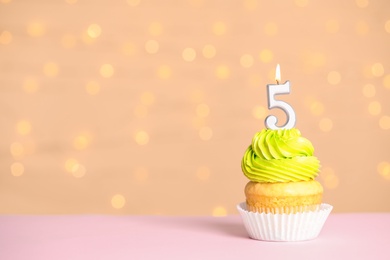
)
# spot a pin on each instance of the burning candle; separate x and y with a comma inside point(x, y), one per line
point(279, 89)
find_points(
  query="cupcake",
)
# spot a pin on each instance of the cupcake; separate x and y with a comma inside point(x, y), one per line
point(282, 192)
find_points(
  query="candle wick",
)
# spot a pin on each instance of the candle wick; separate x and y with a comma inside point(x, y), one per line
point(277, 81)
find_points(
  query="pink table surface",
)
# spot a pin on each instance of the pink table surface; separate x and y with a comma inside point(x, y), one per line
point(344, 236)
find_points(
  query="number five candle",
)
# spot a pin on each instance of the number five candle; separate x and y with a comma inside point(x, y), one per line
point(272, 91)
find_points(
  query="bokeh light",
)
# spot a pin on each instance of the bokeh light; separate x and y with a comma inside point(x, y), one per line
point(17, 169)
point(271, 29)
point(94, 30)
point(329, 177)
point(383, 169)
point(246, 61)
point(384, 122)
point(332, 26)
point(133, 2)
point(387, 26)
point(155, 29)
point(36, 29)
point(205, 133)
point(5, 37)
point(219, 28)
point(219, 211)
point(386, 81)
point(202, 110)
point(326, 124)
point(141, 174)
point(362, 3)
point(51, 69)
point(317, 108)
point(374, 108)
point(106, 70)
point(334, 77)
point(82, 141)
point(222, 72)
point(266, 55)
point(152, 46)
point(301, 3)
point(23, 127)
point(164, 72)
point(361, 28)
point(17, 150)
point(369, 90)
point(203, 173)
point(141, 137)
point(68, 41)
point(30, 85)
point(209, 51)
point(147, 98)
point(377, 69)
point(259, 112)
point(92, 87)
point(118, 201)
point(188, 54)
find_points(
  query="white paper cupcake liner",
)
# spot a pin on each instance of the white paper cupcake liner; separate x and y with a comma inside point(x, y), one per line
point(284, 227)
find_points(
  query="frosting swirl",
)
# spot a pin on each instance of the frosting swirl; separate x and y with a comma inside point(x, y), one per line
point(280, 156)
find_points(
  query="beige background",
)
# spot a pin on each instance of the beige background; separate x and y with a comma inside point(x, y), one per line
point(146, 107)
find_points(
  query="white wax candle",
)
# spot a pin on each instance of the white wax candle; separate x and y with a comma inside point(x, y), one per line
point(278, 89)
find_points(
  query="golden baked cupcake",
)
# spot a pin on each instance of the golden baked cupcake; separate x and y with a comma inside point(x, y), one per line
point(281, 168)
point(283, 199)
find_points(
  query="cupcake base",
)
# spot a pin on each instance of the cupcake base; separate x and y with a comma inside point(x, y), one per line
point(284, 227)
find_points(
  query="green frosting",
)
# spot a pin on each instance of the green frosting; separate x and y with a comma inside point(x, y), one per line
point(280, 156)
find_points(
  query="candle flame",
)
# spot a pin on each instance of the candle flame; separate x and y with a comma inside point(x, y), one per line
point(277, 74)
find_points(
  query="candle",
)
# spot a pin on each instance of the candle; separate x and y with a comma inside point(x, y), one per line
point(279, 89)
